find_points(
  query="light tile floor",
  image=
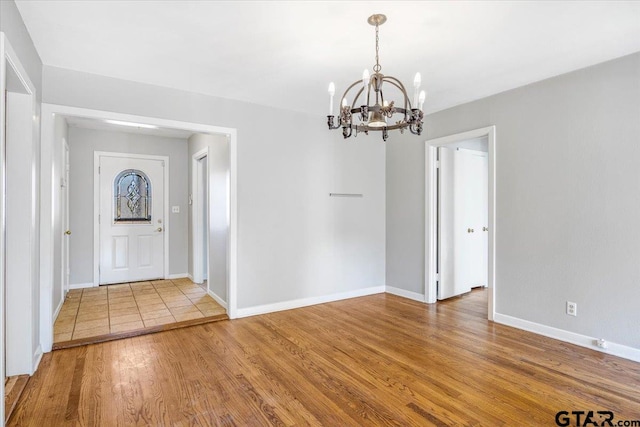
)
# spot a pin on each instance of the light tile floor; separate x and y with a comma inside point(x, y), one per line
point(126, 307)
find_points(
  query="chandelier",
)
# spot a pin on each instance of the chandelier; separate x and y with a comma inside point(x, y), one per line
point(374, 109)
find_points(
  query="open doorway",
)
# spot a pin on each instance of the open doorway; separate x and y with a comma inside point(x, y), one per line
point(460, 215)
point(200, 216)
point(172, 279)
point(210, 213)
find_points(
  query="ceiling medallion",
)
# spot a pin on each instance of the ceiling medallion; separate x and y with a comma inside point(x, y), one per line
point(374, 117)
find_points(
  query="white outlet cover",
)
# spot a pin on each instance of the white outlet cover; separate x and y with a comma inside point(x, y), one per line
point(175, 209)
point(572, 308)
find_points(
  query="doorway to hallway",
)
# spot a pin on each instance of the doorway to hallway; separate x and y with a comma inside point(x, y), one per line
point(462, 242)
point(452, 233)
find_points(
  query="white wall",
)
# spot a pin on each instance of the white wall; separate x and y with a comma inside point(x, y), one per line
point(567, 199)
point(294, 241)
point(82, 144)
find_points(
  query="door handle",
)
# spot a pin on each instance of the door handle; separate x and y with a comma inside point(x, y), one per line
point(68, 232)
point(485, 228)
point(470, 230)
point(159, 229)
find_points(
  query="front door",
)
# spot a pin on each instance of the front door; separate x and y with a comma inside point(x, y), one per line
point(131, 219)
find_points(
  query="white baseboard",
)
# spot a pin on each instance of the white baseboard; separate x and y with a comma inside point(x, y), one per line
point(190, 277)
point(570, 337)
point(37, 357)
point(405, 294)
point(217, 298)
point(304, 302)
point(81, 285)
point(58, 308)
point(178, 276)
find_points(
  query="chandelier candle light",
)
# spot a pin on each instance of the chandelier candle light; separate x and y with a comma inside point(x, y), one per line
point(374, 117)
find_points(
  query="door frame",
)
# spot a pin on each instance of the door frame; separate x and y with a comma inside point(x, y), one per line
point(48, 216)
point(96, 207)
point(196, 213)
point(22, 321)
point(431, 243)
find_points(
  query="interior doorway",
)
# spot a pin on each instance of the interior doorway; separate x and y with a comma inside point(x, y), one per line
point(200, 216)
point(460, 215)
point(462, 242)
point(51, 113)
point(64, 207)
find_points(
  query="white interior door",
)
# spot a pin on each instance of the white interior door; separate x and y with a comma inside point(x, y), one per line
point(131, 219)
point(65, 219)
point(462, 221)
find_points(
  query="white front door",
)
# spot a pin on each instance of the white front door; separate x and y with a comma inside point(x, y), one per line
point(462, 221)
point(131, 219)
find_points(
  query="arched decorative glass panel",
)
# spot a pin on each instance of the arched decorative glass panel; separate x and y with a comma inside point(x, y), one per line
point(132, 197)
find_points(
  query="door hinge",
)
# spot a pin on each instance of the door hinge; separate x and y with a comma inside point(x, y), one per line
point(437, 164)
point(98, 218)
point(99, 168)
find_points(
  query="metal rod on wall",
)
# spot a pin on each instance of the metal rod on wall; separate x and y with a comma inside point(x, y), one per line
point(346, 195)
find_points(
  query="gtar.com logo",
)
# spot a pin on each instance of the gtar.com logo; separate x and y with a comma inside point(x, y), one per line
point(592, 418)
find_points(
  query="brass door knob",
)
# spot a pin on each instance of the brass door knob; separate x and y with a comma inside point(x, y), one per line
point(159, 229)
point(68, 232)
point(485, 228)
point(469, 230)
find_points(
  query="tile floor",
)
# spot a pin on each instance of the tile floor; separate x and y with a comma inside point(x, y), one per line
point(126, 307)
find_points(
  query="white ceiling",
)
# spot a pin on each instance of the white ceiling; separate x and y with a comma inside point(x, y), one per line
point(283, 54)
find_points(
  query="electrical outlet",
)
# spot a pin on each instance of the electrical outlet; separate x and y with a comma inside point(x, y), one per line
point(572, 308)
point(175, 209)
point(601, 343)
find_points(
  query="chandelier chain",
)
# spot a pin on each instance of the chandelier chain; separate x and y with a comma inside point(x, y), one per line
point(377, 67)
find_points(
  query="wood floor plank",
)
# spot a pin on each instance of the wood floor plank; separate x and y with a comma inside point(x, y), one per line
point(379, 360)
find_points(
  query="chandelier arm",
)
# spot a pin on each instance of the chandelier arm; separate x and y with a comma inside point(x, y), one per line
point(397, 83)
point(357, 96)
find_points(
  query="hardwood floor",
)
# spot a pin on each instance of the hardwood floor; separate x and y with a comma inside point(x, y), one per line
point(376, 360)
point(13, 388)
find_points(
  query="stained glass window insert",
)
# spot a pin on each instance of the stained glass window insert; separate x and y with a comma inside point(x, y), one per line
point(132, 197)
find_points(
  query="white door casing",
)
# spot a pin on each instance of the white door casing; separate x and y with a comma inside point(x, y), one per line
point(131, 250)
point(462, 221)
